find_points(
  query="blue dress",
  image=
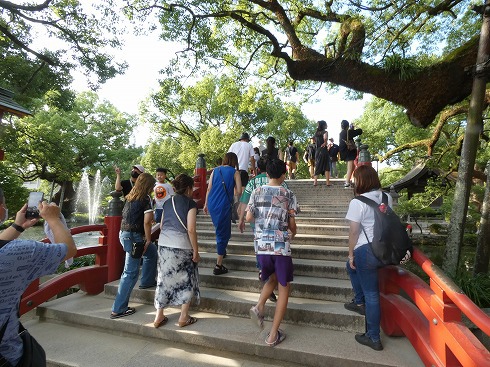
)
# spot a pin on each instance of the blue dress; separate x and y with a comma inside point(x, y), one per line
point(219, 205)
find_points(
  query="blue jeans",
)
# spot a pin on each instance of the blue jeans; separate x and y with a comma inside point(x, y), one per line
point(364, 279)
point(130, 273)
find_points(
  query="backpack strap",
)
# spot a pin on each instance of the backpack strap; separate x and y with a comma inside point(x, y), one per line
point(371, 202)
point(368, 201)
point(373, 205)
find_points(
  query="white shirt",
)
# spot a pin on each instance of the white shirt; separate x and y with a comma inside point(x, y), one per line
point(244, 151)
point(163, 192)
point(362, 213)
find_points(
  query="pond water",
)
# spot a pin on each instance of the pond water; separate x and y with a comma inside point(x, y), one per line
point(81, 240)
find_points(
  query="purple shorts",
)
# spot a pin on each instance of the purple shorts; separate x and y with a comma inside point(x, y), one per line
point(281, 265)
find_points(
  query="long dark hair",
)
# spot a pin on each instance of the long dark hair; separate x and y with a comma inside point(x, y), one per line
point(271, 144)
point(181, 183)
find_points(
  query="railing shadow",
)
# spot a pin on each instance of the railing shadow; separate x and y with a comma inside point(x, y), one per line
point(432, 320)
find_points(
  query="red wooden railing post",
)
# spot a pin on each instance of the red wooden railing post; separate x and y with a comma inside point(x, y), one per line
point(115, 252)
point(200, 183)
point(445, 311)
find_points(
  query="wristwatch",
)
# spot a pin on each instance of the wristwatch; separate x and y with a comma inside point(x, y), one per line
point(17, 227)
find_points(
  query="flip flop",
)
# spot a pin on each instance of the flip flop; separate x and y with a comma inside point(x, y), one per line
point(191, 320)
point(279, 339)
point(128, 312)
point(256, 317)
point(161, 323)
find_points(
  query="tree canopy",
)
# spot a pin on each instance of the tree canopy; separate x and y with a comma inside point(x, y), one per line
point(417, 54)
point(79, 37)
point(56, 145)
point(208, 116)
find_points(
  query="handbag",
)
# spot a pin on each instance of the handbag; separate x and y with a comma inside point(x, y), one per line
point(137, 249)
point(33, 354)
point(350, 143)
point(234, 206)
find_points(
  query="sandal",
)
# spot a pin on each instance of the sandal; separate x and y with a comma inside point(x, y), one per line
point(279, 339)
point(220, 269)
point(128, 312)
point(256, 317)
point(191, 320)
point(161, 323)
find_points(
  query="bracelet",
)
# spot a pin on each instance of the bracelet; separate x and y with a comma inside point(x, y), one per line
point(17, 227)
point(350, 257)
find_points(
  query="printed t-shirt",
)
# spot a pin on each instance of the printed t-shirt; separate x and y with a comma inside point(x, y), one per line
point(162, 191)
point(259, 180)
point(271, 207)
point(21, 262)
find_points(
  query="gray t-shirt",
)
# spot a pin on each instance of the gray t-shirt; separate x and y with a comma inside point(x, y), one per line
point(173, 233)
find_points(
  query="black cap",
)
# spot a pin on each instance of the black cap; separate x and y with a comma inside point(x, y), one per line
point(245, 137)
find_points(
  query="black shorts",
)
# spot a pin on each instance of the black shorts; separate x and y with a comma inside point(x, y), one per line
point(244, 177)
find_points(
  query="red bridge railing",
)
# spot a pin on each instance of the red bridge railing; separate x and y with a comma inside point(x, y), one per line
point(432, 318)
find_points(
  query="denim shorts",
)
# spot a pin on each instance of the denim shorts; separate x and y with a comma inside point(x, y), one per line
point(281, 265)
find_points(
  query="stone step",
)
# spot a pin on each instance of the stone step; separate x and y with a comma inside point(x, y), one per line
point(299, 239)
point(325, 289)
point(306, 267)
point(302, 228)
point(336, 290)
point(69, 319)
point(299, 251)
point(319, 313)
point(318, 220)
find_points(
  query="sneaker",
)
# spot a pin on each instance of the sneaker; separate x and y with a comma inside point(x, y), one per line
point(366, 340)
point(273, 297)
point(219, 269)
point(147, 286)
point(352, 306)
point(347, 186)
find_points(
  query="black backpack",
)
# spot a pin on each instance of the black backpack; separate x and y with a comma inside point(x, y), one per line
point(390, 244)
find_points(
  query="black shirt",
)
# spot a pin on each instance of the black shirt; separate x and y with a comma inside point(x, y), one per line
point(127, 185)
point(133, 215)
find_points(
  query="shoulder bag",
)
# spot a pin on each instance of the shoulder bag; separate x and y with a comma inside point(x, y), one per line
point(234, 206)
point(33, 354)
point(350, 143)
point(137, 248)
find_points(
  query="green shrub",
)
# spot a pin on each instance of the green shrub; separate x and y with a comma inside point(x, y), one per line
point(78, 262)
point(477, 288)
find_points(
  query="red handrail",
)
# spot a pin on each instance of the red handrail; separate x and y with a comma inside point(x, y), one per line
point(472, 311)
point(90, 278)
point(432, 321)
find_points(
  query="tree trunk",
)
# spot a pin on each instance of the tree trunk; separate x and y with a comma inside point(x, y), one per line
point(482, 256)
point(468, 153)
point(68, 196)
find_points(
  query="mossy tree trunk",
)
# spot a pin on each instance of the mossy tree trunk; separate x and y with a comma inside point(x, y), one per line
point(482, 256)
point(468, 153)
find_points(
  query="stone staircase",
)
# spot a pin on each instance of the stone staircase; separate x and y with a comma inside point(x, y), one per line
point(320, 332)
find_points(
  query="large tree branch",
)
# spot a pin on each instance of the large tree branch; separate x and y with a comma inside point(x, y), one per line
point(23, 46)
point(11, 6)
point(431, 142)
